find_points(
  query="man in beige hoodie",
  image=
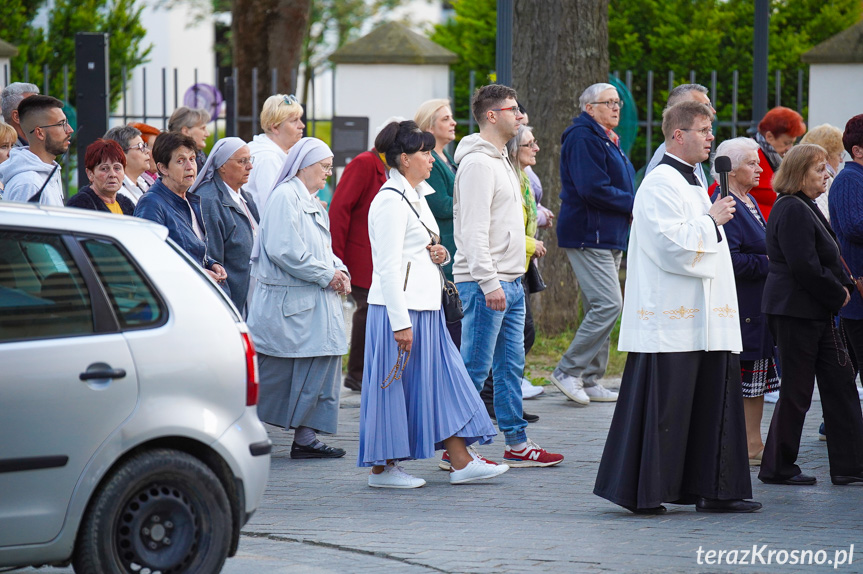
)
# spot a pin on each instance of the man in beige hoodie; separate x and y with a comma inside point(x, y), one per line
point(488, 265)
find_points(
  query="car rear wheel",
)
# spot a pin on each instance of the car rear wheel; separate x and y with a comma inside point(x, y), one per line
point(163, 511)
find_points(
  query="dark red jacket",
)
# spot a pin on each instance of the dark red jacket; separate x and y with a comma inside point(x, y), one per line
point(349, 214)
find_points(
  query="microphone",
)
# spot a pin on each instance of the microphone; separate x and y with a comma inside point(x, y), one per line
point(722, 164)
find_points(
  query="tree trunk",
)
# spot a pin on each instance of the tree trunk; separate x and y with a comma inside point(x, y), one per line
point(560, 47)
point(267, 34)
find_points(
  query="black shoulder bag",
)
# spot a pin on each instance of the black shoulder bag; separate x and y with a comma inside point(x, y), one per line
point(450, 299)
point(38, 196)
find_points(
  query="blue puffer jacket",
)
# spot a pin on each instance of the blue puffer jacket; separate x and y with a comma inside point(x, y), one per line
point(162, 205)
point(598, 190)
point(846, 219)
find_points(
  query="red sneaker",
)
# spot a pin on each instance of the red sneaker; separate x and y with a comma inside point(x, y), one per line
point(531, 455)
point(446, 465)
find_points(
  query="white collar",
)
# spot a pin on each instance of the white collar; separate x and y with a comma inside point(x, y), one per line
point(422, 190)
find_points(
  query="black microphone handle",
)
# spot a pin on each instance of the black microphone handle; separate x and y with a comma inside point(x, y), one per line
point(723, 184)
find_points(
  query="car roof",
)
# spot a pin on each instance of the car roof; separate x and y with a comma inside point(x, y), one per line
point(73, 219)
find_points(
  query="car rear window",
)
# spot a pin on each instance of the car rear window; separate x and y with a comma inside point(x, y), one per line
point(42, 292)
point(134, 301)
point(223, 297)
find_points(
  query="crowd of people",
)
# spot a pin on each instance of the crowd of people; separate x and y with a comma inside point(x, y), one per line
point(730, 294)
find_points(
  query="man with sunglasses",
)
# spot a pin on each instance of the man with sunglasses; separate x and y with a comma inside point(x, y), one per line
point(31, 174)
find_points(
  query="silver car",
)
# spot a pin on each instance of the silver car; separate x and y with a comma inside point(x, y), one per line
point(129, 437)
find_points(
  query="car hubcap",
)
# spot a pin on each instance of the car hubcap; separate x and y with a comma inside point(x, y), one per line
point(159, 531)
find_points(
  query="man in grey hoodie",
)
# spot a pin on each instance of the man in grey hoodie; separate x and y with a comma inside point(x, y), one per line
point(31, 174)
point(488, 225)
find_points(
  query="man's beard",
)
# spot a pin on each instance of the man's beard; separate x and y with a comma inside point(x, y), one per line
point(56, 147)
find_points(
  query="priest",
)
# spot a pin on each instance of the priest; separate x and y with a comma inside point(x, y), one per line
point(678, 434)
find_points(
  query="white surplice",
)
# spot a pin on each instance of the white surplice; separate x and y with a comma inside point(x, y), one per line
point(680, 293)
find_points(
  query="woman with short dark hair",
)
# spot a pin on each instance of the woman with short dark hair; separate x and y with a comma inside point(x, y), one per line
point(104, 163)
point(805, 289)
point(417, 396)
point(168, 202)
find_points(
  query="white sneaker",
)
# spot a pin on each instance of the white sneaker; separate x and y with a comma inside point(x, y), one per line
point(394, 477)
point(476, 470)
point(529, 390)
point(572, 387)
point(771, 397)
point(600, 394)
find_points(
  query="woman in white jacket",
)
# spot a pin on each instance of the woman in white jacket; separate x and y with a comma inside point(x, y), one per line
point(417, 396)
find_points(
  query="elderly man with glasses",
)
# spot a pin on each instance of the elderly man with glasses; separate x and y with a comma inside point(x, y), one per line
point(31, 174)
point(596, 205)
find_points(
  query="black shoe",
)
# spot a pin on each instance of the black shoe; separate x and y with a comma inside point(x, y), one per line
point(843, 480)
point(353, 384)
point(316, 450)
point(798, 480)
point(646, 511)
point(711, 505)
point(529, 417)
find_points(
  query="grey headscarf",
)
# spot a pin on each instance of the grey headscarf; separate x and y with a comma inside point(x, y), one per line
point(304, 153)
point(219, 155)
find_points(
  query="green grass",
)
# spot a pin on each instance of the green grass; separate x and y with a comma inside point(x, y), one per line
point(548, 349)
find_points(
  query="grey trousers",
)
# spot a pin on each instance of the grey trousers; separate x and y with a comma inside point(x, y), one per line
point(597, 274)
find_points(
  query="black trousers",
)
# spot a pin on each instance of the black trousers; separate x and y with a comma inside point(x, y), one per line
point(358, 334)
point(810, 350)
point(487, 392)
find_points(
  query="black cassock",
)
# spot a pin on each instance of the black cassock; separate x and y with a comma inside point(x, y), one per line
point(678, 432)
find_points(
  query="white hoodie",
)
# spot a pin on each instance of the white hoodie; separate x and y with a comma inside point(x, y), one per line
point(24, 174)
point(488, 218)
point(269, 159)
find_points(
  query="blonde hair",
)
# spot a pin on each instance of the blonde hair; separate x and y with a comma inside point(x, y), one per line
point(276, 110)
point(7, 134)
point(184, 117)
point(799, 159)
point(827, 136)
point(427, 113)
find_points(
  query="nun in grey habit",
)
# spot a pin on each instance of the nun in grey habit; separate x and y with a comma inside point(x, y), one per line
point(295, 314)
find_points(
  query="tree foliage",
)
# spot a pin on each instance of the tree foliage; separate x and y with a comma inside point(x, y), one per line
point(703, 35)
point(55, 47)
point(471, 35)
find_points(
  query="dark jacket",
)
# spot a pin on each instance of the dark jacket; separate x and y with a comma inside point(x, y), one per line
point(597, 194)
point(86, 198)
point(162, 205)
point(349, 214)
point(229, 235)
point(846, 217)
point(442, 180)
point(747, 242)
point(805, 278)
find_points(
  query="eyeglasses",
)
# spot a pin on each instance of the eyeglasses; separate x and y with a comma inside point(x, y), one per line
point(610, 104)
point(141, 147)
point(328, 168)
point(704, 132)
point(244, 161)
point(513, 109)
point(60, 124)
point(533, 143)
point(290, 100)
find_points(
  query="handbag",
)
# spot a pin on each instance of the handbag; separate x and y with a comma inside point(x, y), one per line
point(450, 300)
point(533, 278)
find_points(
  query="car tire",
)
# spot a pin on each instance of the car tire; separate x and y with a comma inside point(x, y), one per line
point(161, 511)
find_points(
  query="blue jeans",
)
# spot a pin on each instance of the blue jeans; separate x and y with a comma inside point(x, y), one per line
point(494, 340)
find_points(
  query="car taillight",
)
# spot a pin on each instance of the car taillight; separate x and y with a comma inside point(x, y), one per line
point(251, 371)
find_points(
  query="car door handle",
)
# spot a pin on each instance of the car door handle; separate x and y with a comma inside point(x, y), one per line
point(102, 374)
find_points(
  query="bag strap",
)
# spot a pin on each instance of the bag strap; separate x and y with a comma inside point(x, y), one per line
point(38, 196)
point(430, 232)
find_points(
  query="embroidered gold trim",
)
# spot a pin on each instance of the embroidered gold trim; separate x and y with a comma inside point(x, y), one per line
point(725, 311)
point(699, 253)
point(681, 313)
point(644, 315)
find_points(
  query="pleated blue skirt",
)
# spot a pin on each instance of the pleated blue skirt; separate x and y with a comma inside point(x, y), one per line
point(433, 400)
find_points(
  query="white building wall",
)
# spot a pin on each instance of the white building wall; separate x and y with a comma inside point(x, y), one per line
point(834, 94)
point(179, 41)
point(380, 91)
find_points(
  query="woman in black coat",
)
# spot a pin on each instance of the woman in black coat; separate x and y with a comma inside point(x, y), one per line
point(747, 243)
point(105, 165)
point(806, 287)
